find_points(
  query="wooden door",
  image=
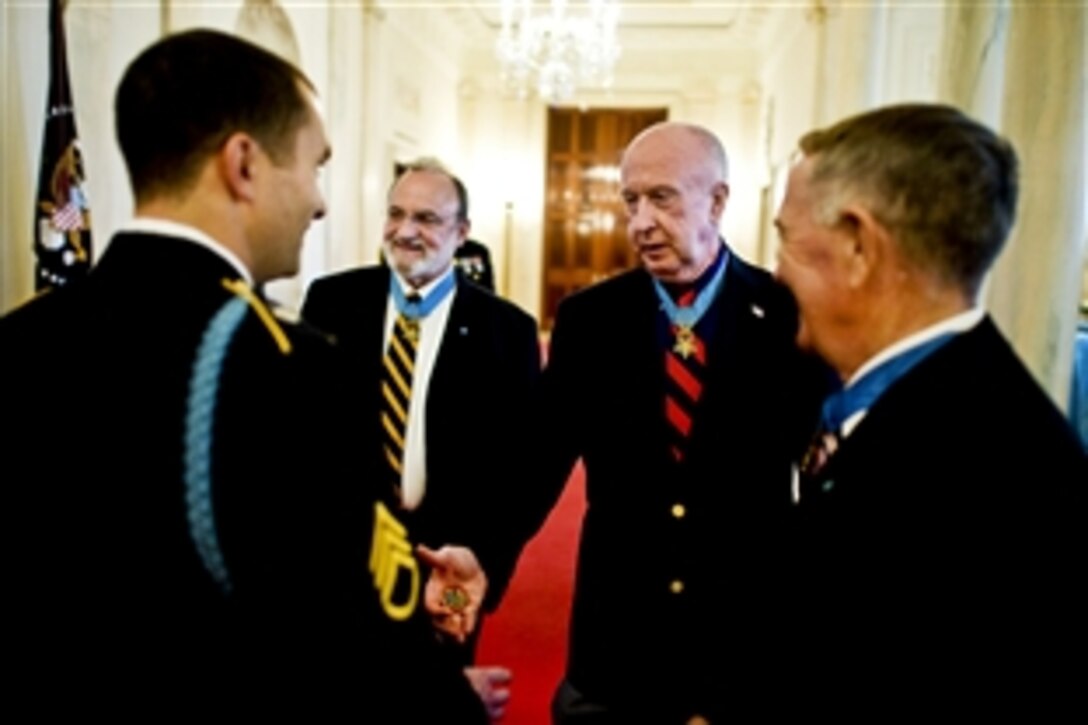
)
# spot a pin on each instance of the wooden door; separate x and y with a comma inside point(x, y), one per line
point(585, 237)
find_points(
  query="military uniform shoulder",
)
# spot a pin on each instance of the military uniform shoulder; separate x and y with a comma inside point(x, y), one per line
point(36, 308)
point(281, 325)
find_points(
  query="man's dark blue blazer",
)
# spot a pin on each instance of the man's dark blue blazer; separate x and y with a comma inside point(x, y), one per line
point(679, 565)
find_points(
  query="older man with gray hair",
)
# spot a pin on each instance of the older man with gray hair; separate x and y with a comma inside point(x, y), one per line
point(941, 501)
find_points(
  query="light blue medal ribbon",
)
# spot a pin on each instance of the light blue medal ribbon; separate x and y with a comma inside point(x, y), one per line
point(684, 319)
point(417, 310)
point(863, 393)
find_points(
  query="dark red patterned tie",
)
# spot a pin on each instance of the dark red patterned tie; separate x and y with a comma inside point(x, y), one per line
point(820, 449)
point(685, 362)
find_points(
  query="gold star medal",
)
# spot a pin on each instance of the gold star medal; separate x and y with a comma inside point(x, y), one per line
point(455, 598)
point(686, 344)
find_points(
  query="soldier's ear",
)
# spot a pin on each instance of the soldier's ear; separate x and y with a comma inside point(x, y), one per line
point(237, 160)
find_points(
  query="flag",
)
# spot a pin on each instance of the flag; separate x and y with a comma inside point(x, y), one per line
point(62, 231)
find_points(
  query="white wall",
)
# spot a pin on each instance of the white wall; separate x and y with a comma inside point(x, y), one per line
point(389, 87)
point(411, 109)
point(399, 80)
point(394, 88)
point(505, 142)
point(102, 38)
point(503, 149)
point(789, 98)
point(310, 27)
point(832, 65)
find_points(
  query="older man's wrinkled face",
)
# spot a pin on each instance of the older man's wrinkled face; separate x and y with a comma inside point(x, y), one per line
point(422, 226)
point(810, 265)
point(674, 199)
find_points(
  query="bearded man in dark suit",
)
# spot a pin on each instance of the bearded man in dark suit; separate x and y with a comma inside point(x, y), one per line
point(941, 506)
point(452, 401)
point(186, 532)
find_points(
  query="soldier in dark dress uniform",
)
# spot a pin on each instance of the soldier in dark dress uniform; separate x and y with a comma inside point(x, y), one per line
point(177, 541)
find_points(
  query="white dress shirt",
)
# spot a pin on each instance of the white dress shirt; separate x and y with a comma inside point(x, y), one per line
point(956, 324)
point(413, 481)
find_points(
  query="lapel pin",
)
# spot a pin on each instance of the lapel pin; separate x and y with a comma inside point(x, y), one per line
point(758, 311)
point(463, 330)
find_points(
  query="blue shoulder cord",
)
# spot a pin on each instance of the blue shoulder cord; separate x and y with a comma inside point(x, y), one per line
point(199, 419)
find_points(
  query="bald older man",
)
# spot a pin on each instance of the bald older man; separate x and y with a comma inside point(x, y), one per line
point(679, 386)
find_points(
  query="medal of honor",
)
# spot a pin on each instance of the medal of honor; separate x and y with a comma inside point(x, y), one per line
point(686, 344)
point(412, 308)
point(682, 319)
point(455, 598)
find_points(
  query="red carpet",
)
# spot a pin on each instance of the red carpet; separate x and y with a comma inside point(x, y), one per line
point(528, 633)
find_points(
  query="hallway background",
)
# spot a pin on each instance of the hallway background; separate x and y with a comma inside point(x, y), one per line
point(404, 78)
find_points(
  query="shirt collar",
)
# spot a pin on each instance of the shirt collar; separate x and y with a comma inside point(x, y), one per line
point(426, 289)
point(167, 228)
point(958, 323)
point(677, 289)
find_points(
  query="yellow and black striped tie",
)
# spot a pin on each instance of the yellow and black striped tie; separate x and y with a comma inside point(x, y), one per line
point(397, 370)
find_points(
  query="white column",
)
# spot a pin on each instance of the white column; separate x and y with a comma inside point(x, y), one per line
point(24, 65)
point(347, 128)
point(973, 58)
point(1036, 285)
point(1021, 69)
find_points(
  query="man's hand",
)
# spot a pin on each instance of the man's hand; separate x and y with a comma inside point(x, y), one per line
point(455, 589)
point(492, 684)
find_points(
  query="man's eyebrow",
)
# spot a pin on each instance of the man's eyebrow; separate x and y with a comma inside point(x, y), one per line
point(656, 189)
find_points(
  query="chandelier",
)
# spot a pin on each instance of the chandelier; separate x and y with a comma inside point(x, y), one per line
point(555, 51)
